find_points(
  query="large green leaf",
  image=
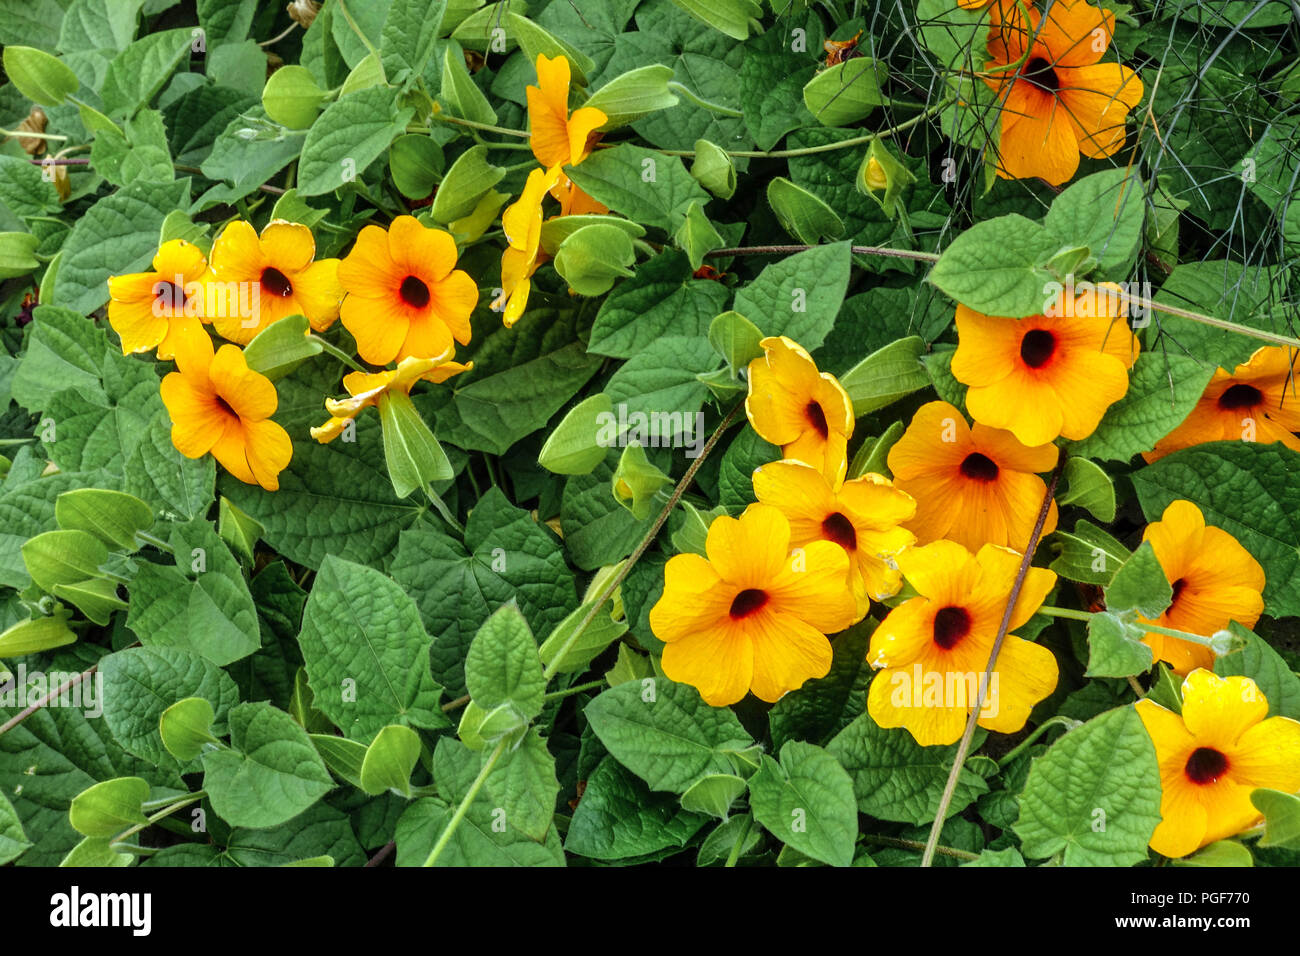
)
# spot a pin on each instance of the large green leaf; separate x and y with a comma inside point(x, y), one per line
point(806, 801)
point(649, 187)
point(800, 295)
point(619, 818)
point(662, 299)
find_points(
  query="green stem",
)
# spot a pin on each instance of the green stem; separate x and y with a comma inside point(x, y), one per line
point(857, 251)
point(154, 542)
point(331, 349)
point(577, 689)
point(472, 124)
point(615, 581)
point(440, 506)
point(454, 823)
point(164, 812)
point(1059, 720)
point(1073, 615)
point(33, 135)
point(902, 844)
point(746, 824)
point(690, 96)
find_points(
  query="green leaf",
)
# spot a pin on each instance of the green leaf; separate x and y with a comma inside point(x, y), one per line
point(186, 726)
point(571, 448)
point(1225, 290)
point(468, 180)
point(634, 94)
point(238, 529)
point(137, 73)
point(1281, 818)
point(503, 666)
point(414, 458)
point(63, 557)
point(1222, 853)
point(389, 760)
point(714, 794)
point(523, 784)
point(344, 757)
point(109, 807)
point(1095, 794)
point(40, 77)
point(886, 375)
point(593, 257)
point(95, 852)
point(736, 339)
point(534, 41)
point(98, 25)
point(598, 635)
point(112, 516)
point(714, 169)
point(1163, 389)
point(801, 213)
point(729, 16)
point(24, 190)
point(226, 21)
point(662, 299)
point(643, 185)
point(846, 92)
point(271, 774)
point(13, 842)
point(895, 778)
point(408, 37)
point(117, 235)
point(806, 801)
point(1115, 647)
point(1249, 490)
point(665, 734)
point(824, 706)
point(1088, 554)
point(799, 296)
point(559, 228)
point(17, 254)
point(661, 383)
point(353, 132)
point(1266, 667)
point(140, 683)
point(416, 163)
point(1089, 486)
point(366, 652)
point(211, 612)
point(157, 473)
point(460, 93)
point(1008, 857)
point(1140, 585)
point(997, 267)
point(618, 818)
point(1105, 212)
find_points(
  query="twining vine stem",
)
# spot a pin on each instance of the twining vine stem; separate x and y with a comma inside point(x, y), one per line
point(22, 715)
point(963, 748)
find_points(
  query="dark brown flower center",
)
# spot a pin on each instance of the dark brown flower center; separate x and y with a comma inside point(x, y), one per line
point(225, 406)
point(1178, 589)
point(980, 467)
point(817, 419)
point(1205, 765)
point(1039, 72)
point(276, 283)
point(170, 297)
point(951, 624)
point(414, 292)
point(1037, 347)
point(839, 529)
point(1240, 396)
point(747, 602)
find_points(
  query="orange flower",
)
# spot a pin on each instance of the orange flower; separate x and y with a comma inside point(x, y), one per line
point(1255, 402)
point(975, 486)
point(934, 648)
point(153, 309)
point(279, 275)
point(751, 616)
point(1062, 101)
point(804, 411)
point(558, 139)
point(405, 296)
point(1045, 376)
point(367, 388)
point(218, 404)
point(1215, 580)
point(522, 223)
point(1212, 756)
point(862, 516)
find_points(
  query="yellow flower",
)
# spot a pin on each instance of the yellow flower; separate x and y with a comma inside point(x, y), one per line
point(279, 278)
point(366, 388)
point(862, 516)
point(558, 139)
point(804, 411)
point(752, 617)
point(975, 486)
point(1257, 401)
point(1215, 580)
point(218, 404)
point(1212, 757)
point(934, 648)
point(1046, 375)
point(153, 309)
point(405, 296)
point(522, 223)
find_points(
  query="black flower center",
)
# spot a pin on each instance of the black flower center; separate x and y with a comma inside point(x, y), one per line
point(276, 283)
point(1205, 765)
point(1037, 347)
point(1178, 589)
point(225, 406)
point(817, 419)
point(1039, 72)
point(839, 529)
point(747, 602)
point(951, 624)
point(414, 292)
point(980, 467)
point(170, 297)
point(1240, 396)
